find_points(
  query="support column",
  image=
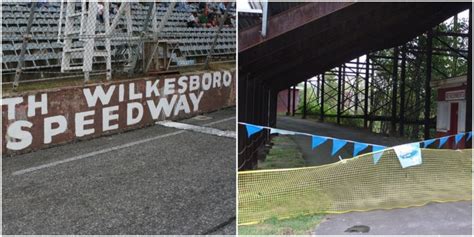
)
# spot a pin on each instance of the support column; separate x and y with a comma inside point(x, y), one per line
point(402, 92)
point(356, 94)
point(304, 98)
point(393, 127)
point(339, 79)
point(429, 51)
point(288, 103)
point(321, 114)
point(294, 101)
point(366, 92)
point(468, 126)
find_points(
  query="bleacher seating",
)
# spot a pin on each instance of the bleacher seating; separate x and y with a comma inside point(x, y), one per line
point(44, 50)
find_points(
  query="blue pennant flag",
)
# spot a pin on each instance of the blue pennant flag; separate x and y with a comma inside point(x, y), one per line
point(378, 155)
point(358, 147)
point(426, 143)
point(458, 137)
point(251, 129)
point(317, 140)
point(442, 140)
point(469, 136)
point(337, 144)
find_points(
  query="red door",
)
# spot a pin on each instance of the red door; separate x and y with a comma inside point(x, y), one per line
point(453, 124)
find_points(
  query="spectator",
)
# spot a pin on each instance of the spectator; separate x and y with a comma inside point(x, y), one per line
point(222, 7)
point(100, 12)
point(192, 20)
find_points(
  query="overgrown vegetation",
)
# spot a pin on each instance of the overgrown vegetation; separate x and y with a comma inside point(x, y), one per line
point(284, 154)
point(445, 64)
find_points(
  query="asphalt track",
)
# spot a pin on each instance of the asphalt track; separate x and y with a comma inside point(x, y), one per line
point(155, 180)
point(454, 218)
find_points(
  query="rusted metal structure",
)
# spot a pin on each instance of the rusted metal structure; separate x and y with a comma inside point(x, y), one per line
point(351, 45)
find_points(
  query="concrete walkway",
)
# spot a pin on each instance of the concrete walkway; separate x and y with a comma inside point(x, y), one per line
point(432, 219)
point(322, 154)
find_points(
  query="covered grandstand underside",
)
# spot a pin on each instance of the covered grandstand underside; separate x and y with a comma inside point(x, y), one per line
point(312, 39)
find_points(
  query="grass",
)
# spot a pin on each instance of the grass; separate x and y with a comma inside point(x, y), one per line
point(300, 225)
point(284, 154)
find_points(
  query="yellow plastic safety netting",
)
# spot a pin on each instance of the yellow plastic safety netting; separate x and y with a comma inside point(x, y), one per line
point(354, 184)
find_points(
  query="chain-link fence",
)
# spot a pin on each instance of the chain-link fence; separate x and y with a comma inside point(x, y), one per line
point(88, 40)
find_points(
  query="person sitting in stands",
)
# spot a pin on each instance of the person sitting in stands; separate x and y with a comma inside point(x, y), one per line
point(192, 20)
point(100, 12)
point(203, 20)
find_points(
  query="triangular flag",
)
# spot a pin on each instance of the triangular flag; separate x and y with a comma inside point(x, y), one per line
point(442, 140)
point(337, 144)
point(458, 137)
point(378, 155)
point(469, 136)
point(317, 140)
point(279, 131)
point(358, 147)
point(251, 129)
point(426, 143)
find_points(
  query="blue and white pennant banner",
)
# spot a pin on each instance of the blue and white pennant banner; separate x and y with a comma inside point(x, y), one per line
point(406, 156)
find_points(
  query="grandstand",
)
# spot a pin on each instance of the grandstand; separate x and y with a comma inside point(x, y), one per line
point(47, 47)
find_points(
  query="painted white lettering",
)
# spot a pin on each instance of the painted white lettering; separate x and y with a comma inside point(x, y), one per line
point(132, 94)
point(169, 86)
point(182, 104)
point(81, 122)
point(227, 78)
point(109, 115)
point(98, 94)
point(183, 84)
point(121, 92)
point(193, 83)
point(130, 108)
point(206, 81)
point(33, 105)
point(216, 79)
point(152, 88)
point(195, 100)
point(49, 131)
point(163, 105)
point(11, 103)
point(15, 132)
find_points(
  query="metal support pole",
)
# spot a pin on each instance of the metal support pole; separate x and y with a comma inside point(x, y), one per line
point(366, 92)
point(468, 126)
point(26, 39)
point(402, 92)
point(264, 18)
point(322, 99)
point(356, 94)
point(343, 88)
point(304, 99)
point(288, 103)
point(393, 121)
point(429, 51)
point(214, 42)
point(339, 78)
point(294, 101)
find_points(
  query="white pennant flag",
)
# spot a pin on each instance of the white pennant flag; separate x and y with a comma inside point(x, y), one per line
point(408, 154)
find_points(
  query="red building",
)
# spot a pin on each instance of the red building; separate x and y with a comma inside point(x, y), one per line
point(451, 108)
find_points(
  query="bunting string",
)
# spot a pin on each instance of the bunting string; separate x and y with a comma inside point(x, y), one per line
point(407, 153)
